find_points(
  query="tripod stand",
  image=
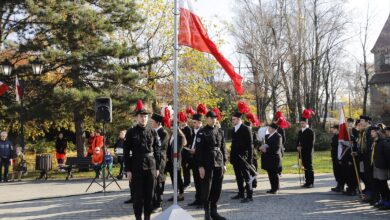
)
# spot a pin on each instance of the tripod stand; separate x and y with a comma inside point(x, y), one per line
point(104, 166)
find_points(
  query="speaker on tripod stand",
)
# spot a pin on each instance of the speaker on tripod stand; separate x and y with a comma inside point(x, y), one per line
point(103, 114)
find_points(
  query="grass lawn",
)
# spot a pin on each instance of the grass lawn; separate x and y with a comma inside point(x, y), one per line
point(322, 164)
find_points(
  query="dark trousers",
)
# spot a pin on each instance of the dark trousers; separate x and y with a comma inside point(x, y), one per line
point(307, 163)
point(143, 183)
point(186, 172)
point(212, 187)
point(382, 189)
point(350, 175)
point(274, 180)
point(339, 173)
point(242, 175)
point(158, 194)
point(368, 174)
point(131, 188)
point(120, 161)
point(180, 184)
point(198, 183)
point(4, 163)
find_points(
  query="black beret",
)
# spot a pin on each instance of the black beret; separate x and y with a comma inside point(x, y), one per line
point(274, 126)
point(197, 117)
point(365, 117)
point(303, 119)
point(141, 112)
point(375, 128)
point(211, 114)
point(357, 122)
point(157, 117)
point(237, 114)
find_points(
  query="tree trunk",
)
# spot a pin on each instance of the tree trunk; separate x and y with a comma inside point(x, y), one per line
point(79, 125)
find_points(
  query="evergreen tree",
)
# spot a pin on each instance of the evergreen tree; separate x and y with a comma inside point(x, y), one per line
point(82, 60)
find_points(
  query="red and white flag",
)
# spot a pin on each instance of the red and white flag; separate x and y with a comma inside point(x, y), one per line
point(343, 130)
point(3, 88)
point(193, 34)
point(18, 90)
point(344, 138)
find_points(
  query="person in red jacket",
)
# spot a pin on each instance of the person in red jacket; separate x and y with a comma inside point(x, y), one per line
point(97, 160)
point(89, 142)
point(61, 147)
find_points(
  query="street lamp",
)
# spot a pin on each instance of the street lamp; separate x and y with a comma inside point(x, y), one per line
point(37, 67)
point(6, 67)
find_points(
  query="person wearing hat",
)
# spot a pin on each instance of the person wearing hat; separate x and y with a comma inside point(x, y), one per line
point(271, 157)
point(337, 166)
point(381, 192)
point(197, 126)
point(210, 152)
point(142, 166)
point(305, 145)
point(241, 148)
point(163, 137)
point(365, 142)
point(185, 155)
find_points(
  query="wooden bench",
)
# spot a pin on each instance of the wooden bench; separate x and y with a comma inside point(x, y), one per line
point(77, 162)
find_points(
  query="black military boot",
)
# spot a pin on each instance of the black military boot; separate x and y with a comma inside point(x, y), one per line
point(138, 217)
point(207, 212)
point(147, 217)
point(214, 213)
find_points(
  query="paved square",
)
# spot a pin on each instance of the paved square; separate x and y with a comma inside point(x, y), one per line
point(68, 200)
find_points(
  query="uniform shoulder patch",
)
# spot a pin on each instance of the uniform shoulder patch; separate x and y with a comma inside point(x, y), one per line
point(198, 139)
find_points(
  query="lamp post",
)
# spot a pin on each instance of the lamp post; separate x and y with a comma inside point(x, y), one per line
point(6, 68)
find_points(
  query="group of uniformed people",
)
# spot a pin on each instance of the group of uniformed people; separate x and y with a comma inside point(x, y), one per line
point(365, 158)
point(149, 155)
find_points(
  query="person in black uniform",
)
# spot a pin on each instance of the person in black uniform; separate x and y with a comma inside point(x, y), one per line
point(241, 148)
point(305, 145)
point(365, 144)
point(337, 165)
point(271, 157)
point(163, 141)
point(143, 165)
point(347, 161)
point(185, 160)
point(210, 151)
point(197, 124)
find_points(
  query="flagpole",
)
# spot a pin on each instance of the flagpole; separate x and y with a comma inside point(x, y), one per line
point(175, 104)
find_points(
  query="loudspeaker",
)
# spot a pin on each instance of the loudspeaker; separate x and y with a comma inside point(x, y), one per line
point(103, 109)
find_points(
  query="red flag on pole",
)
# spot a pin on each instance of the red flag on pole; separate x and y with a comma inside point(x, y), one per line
point(3, 88)
point(193, 34)
point(343, 131)
point(18, 90)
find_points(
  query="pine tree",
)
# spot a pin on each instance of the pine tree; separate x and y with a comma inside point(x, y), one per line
point(83, 60)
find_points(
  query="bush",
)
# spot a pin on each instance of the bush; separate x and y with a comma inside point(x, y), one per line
point(41, 146)
point(322, 140)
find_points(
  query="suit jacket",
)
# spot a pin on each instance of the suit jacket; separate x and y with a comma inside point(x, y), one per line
point(210, 148)
point(188, 135)
point(145, 150)
point(163, 141)
point(272, 159)
point(242, 144)
point(306, 140)
point(335, 146)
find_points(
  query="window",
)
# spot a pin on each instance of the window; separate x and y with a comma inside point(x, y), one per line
point(387, 59)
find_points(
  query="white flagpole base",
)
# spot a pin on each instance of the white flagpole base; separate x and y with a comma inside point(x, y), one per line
point(174, 212)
